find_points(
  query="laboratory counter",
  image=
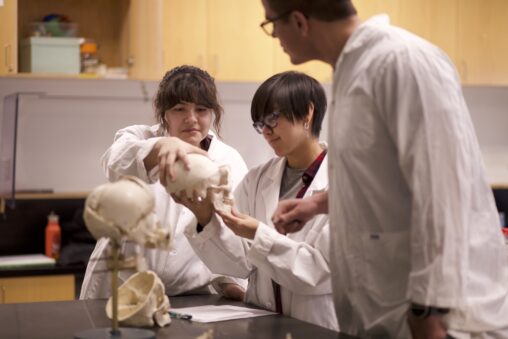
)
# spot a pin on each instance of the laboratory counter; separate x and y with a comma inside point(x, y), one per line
point(64, 319)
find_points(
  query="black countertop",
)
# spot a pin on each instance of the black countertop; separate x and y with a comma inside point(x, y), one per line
point(38, 271)
point(55, 320)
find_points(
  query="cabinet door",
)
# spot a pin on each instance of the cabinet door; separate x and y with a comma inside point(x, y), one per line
point(433, 20)
point(145, 36)
point(317, 69)
point(8, 37)
point(238, 49)
point(184, 33)
point(483, 41)
point(33, 289)
point(369, 8)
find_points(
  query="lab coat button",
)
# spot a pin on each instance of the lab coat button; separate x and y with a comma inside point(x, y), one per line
point(173, 252)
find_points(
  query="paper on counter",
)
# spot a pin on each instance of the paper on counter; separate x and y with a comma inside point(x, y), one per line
point(211, 313)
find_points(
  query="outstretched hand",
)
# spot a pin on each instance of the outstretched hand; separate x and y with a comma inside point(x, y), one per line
point(291, 215)
point(241, 224)
point(170, 150)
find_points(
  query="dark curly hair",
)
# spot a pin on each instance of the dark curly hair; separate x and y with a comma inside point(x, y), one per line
point(187, 84)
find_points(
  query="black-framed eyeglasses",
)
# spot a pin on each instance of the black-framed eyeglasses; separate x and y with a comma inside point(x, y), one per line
point(270, 121)
point(268, 25)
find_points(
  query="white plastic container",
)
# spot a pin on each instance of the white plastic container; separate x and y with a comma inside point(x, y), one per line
point(50, 55)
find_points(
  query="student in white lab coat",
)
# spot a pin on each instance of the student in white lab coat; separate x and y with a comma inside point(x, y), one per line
point(186, 104)
point(289, 274)
point(416, 241)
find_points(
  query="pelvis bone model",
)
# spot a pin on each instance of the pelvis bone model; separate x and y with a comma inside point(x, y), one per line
point(125, 210)
point(204, 176)
point(141, 301)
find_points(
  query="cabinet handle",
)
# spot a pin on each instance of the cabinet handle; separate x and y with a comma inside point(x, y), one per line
point(130, 61)
point(2, 300)
point(8, 52)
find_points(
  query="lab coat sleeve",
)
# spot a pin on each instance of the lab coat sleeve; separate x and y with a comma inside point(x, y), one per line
point(220, 249)
point(126, 155)
point(300, 266)
point(422, 105)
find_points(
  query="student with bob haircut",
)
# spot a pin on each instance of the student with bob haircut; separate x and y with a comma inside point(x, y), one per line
point(288, 274)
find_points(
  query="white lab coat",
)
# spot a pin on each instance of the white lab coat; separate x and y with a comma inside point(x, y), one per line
point(180, 269)
point(298, 261)
point(413, 218)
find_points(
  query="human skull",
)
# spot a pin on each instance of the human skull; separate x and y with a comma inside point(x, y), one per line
point(142, 301)
point(203, 176)
point(125, 209)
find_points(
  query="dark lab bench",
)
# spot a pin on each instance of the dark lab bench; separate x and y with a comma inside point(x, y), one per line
point(57, 320)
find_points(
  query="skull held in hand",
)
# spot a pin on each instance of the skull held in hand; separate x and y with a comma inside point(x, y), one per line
point(203, 176)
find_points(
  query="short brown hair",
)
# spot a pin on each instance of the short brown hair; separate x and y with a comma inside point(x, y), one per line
point(325, 10)
point(187, 84)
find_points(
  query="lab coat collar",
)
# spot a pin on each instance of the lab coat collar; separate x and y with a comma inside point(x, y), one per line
point(360, 37)
point(363, 34)
point(271, 191)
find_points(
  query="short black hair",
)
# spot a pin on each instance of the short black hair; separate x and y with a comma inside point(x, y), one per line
point(325, 10)
point(291, 94)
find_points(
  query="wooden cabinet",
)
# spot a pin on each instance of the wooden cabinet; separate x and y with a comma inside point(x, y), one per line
point(8, 37)
point(238, 50)
point(433, 20)
point(223, 36)
point(145, 56)
point(36, 288)
point(184, 37)
point(217, 35)
point(128, 32)
point(317, 69)
point(483, 42)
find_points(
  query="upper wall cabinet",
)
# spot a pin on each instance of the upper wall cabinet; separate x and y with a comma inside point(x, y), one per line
point(434, 20)
point(483, 42)
point(472, 32)
point(223, 36)
point(184, 25)
point(144, 35)
point(8, 37)
point(127, 32)
point(218, 35)
point(237, 47)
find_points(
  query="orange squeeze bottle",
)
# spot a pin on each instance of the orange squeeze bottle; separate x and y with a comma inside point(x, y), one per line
point(53, 236)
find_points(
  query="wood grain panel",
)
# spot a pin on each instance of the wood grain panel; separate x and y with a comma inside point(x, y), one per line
point(39, 288)
point(101, 20)
point(8, 38)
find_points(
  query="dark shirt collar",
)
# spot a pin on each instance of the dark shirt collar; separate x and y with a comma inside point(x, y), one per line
point(205, 143)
